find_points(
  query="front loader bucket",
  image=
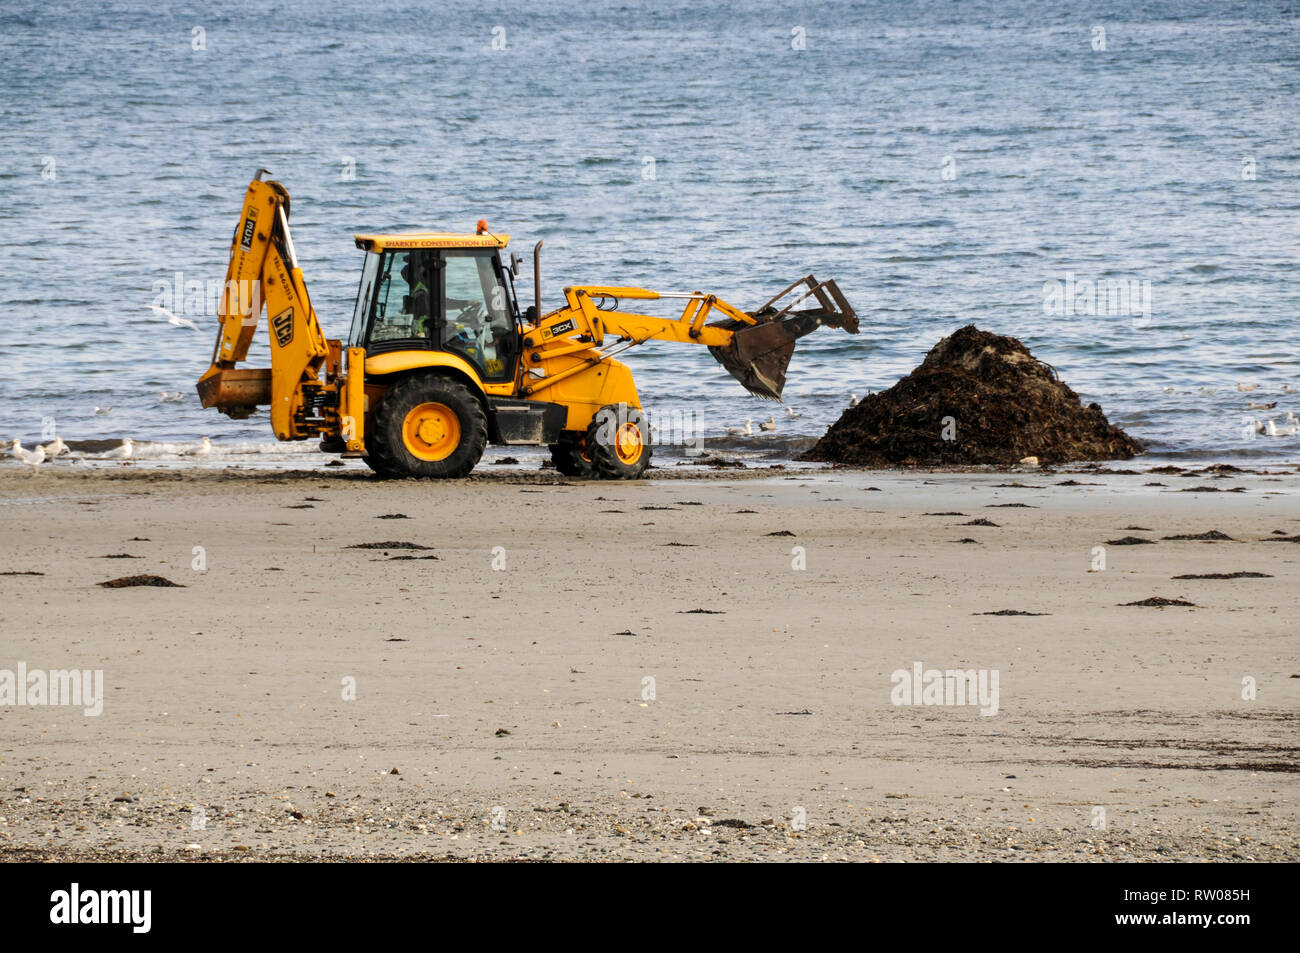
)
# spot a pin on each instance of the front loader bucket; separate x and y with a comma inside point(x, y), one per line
point(758, 354)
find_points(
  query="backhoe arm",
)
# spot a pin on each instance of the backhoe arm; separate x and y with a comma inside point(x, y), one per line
point(264, 273)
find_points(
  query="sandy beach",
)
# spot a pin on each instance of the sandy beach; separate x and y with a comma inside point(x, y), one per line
point(697, 666)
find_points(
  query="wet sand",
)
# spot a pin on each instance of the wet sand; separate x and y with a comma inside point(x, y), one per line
point(509, 713)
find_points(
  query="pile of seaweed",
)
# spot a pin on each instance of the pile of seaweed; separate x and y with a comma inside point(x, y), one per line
point(977, 398)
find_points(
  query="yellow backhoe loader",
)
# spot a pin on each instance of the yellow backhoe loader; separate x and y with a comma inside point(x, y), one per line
point(440, 360)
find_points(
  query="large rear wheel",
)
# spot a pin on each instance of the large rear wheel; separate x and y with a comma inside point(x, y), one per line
point(619, 442)
point(427, 425)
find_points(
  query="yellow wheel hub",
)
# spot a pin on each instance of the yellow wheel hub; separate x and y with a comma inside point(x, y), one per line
point(431, 431)
point(627, 444)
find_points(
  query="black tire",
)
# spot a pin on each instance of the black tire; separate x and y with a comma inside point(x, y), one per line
point(389, 454)
point(379, 472)
point(570, 458)
point(609, 452)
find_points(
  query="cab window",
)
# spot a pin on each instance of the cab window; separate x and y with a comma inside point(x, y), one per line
point(404, 297)
point(357, 335)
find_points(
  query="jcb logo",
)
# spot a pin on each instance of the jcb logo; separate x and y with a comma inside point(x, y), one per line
point(283, 325)
point(555, 330)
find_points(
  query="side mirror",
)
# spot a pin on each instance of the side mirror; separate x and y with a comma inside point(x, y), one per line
point(515, 262)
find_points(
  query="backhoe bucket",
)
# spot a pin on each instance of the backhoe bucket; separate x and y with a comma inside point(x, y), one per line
point(759, 354)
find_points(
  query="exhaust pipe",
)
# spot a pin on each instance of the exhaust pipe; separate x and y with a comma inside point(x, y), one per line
point(537, 282)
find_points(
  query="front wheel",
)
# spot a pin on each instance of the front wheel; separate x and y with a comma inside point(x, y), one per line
point(570, 457)
point(427, 425)
point(618, 441)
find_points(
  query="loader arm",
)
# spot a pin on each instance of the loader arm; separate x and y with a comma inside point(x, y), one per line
point(755, 347)
point(304, 382)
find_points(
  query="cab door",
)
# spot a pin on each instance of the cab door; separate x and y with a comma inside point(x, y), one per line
point(475, 319)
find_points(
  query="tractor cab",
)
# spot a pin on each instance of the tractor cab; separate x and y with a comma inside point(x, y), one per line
point(439, 291)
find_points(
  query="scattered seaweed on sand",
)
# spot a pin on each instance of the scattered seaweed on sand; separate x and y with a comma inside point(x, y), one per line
point(980, 521)
point(1212, 535)
point(144, 579)
point(392, 544)
point(1002, 405)
point(1158, 601)
point(1010, 612)
point(1224, 575)
point(1130, 541)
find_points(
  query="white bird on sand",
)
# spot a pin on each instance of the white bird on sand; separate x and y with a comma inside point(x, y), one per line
point(174, 318)
point(32, 458)
point(769, 424)
point(122, 452)
point(1246, 388)
point(15, 448)
point(792, 413)
point(55, 448)
point(103, 411)
point(745, 431)
point(205, 447)
point(172, 398)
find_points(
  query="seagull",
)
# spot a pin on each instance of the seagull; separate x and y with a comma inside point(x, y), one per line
point(1255, 405)
point(853, 400)
point(1291, 417)
point(1209, 390)
point(769, 424)
point(1288, 389)
point(123, 452)
point(1169, 390)
point(1274, 430)
point(792, 413)
point(174, 318)
point(15, 448)
point(1246, 388)
point(205, 447)
point(103, 411)
point(172, 398)
point(52, 450)
point(33, 458)
point(745, 431)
